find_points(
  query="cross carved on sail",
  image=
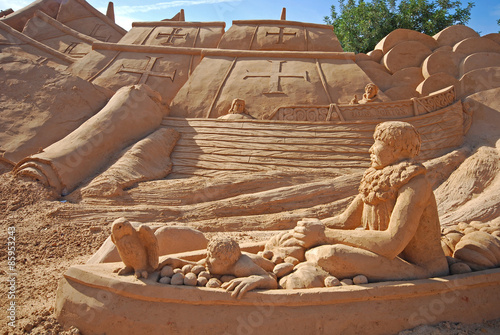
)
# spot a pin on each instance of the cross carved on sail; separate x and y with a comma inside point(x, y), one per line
point(147, 71)
point(71, 47)
point(280, 34)
point(172, 36)
point(275, 75)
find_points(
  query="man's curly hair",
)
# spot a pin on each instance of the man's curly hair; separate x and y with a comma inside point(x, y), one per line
point(400, 135)
point(225, 249)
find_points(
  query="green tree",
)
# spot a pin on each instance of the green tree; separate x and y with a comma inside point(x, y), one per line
point(362, 24)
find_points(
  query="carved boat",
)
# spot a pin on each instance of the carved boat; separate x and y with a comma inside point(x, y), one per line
point(370, 111)
point(98, 301)
point(311, 139)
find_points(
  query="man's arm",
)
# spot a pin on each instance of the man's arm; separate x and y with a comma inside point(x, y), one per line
point(250, 276)
point(350, 218)
point(405, 219)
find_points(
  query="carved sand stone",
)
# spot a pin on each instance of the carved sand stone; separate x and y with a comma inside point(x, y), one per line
point(474, 182)
point(403, 35)
point(436, 82)
point(454, 34)
point(382, 78)
point(442, 61)
point(301, 158)
point(479, 80)
point(402, 92)
point(485, 105)
point(479, 250)
point(376, 55)
point(494, 37)
point(405, 82)
point(361, 57)
point(476, 44)
point(478, 61)
point(406, 54)
point(411, 76)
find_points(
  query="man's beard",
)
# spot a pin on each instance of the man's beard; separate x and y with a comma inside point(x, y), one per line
point(378, 185)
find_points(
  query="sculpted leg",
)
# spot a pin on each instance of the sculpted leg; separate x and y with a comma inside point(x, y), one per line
point(344, 261)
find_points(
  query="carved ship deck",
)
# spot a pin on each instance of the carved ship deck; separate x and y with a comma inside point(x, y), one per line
point(330, 139)
point(98, 301)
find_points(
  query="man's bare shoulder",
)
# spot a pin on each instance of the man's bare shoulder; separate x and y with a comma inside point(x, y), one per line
point(418, 187)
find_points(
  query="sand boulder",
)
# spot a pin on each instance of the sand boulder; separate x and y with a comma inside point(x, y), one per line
point(404, 35)
point(406, 54)
point(478, 61)
point(454, 34)
point(476, 44)
point(445, 61)
point(436, 82)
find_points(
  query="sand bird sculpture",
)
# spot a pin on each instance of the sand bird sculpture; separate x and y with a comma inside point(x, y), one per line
point(138, 248)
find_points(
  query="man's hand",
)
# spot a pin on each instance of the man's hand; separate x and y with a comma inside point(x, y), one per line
point(240, 286)
point(309, 233)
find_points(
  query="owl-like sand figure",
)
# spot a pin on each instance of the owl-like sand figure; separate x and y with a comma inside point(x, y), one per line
point(138, 248)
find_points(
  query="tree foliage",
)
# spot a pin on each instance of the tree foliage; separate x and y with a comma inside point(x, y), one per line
point(361, 24)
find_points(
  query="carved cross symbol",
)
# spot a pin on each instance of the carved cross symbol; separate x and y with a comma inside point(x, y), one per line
point(172, 36)
point(280, 34)
point(71, 47)
point(275, 75)
point(93, 33)
point(147, 71)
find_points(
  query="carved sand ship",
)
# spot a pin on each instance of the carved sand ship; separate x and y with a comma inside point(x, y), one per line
point(157, 146)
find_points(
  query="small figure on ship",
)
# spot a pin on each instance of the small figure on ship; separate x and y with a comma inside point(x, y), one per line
point(370, 95)
point(237, 111)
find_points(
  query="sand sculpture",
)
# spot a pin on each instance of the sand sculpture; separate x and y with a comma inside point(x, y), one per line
point(240, 272)
point(370, 95)
point(179, 124)
point(138, 249)
point(396, 207)
point(237, 111)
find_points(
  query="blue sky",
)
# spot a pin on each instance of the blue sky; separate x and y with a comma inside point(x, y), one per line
point(484, 15)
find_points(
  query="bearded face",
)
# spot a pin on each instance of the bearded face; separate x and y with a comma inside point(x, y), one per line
point(382, 155)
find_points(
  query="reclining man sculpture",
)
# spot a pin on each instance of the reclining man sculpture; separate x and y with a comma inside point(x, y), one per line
point(224, 257)
point(396, 207)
